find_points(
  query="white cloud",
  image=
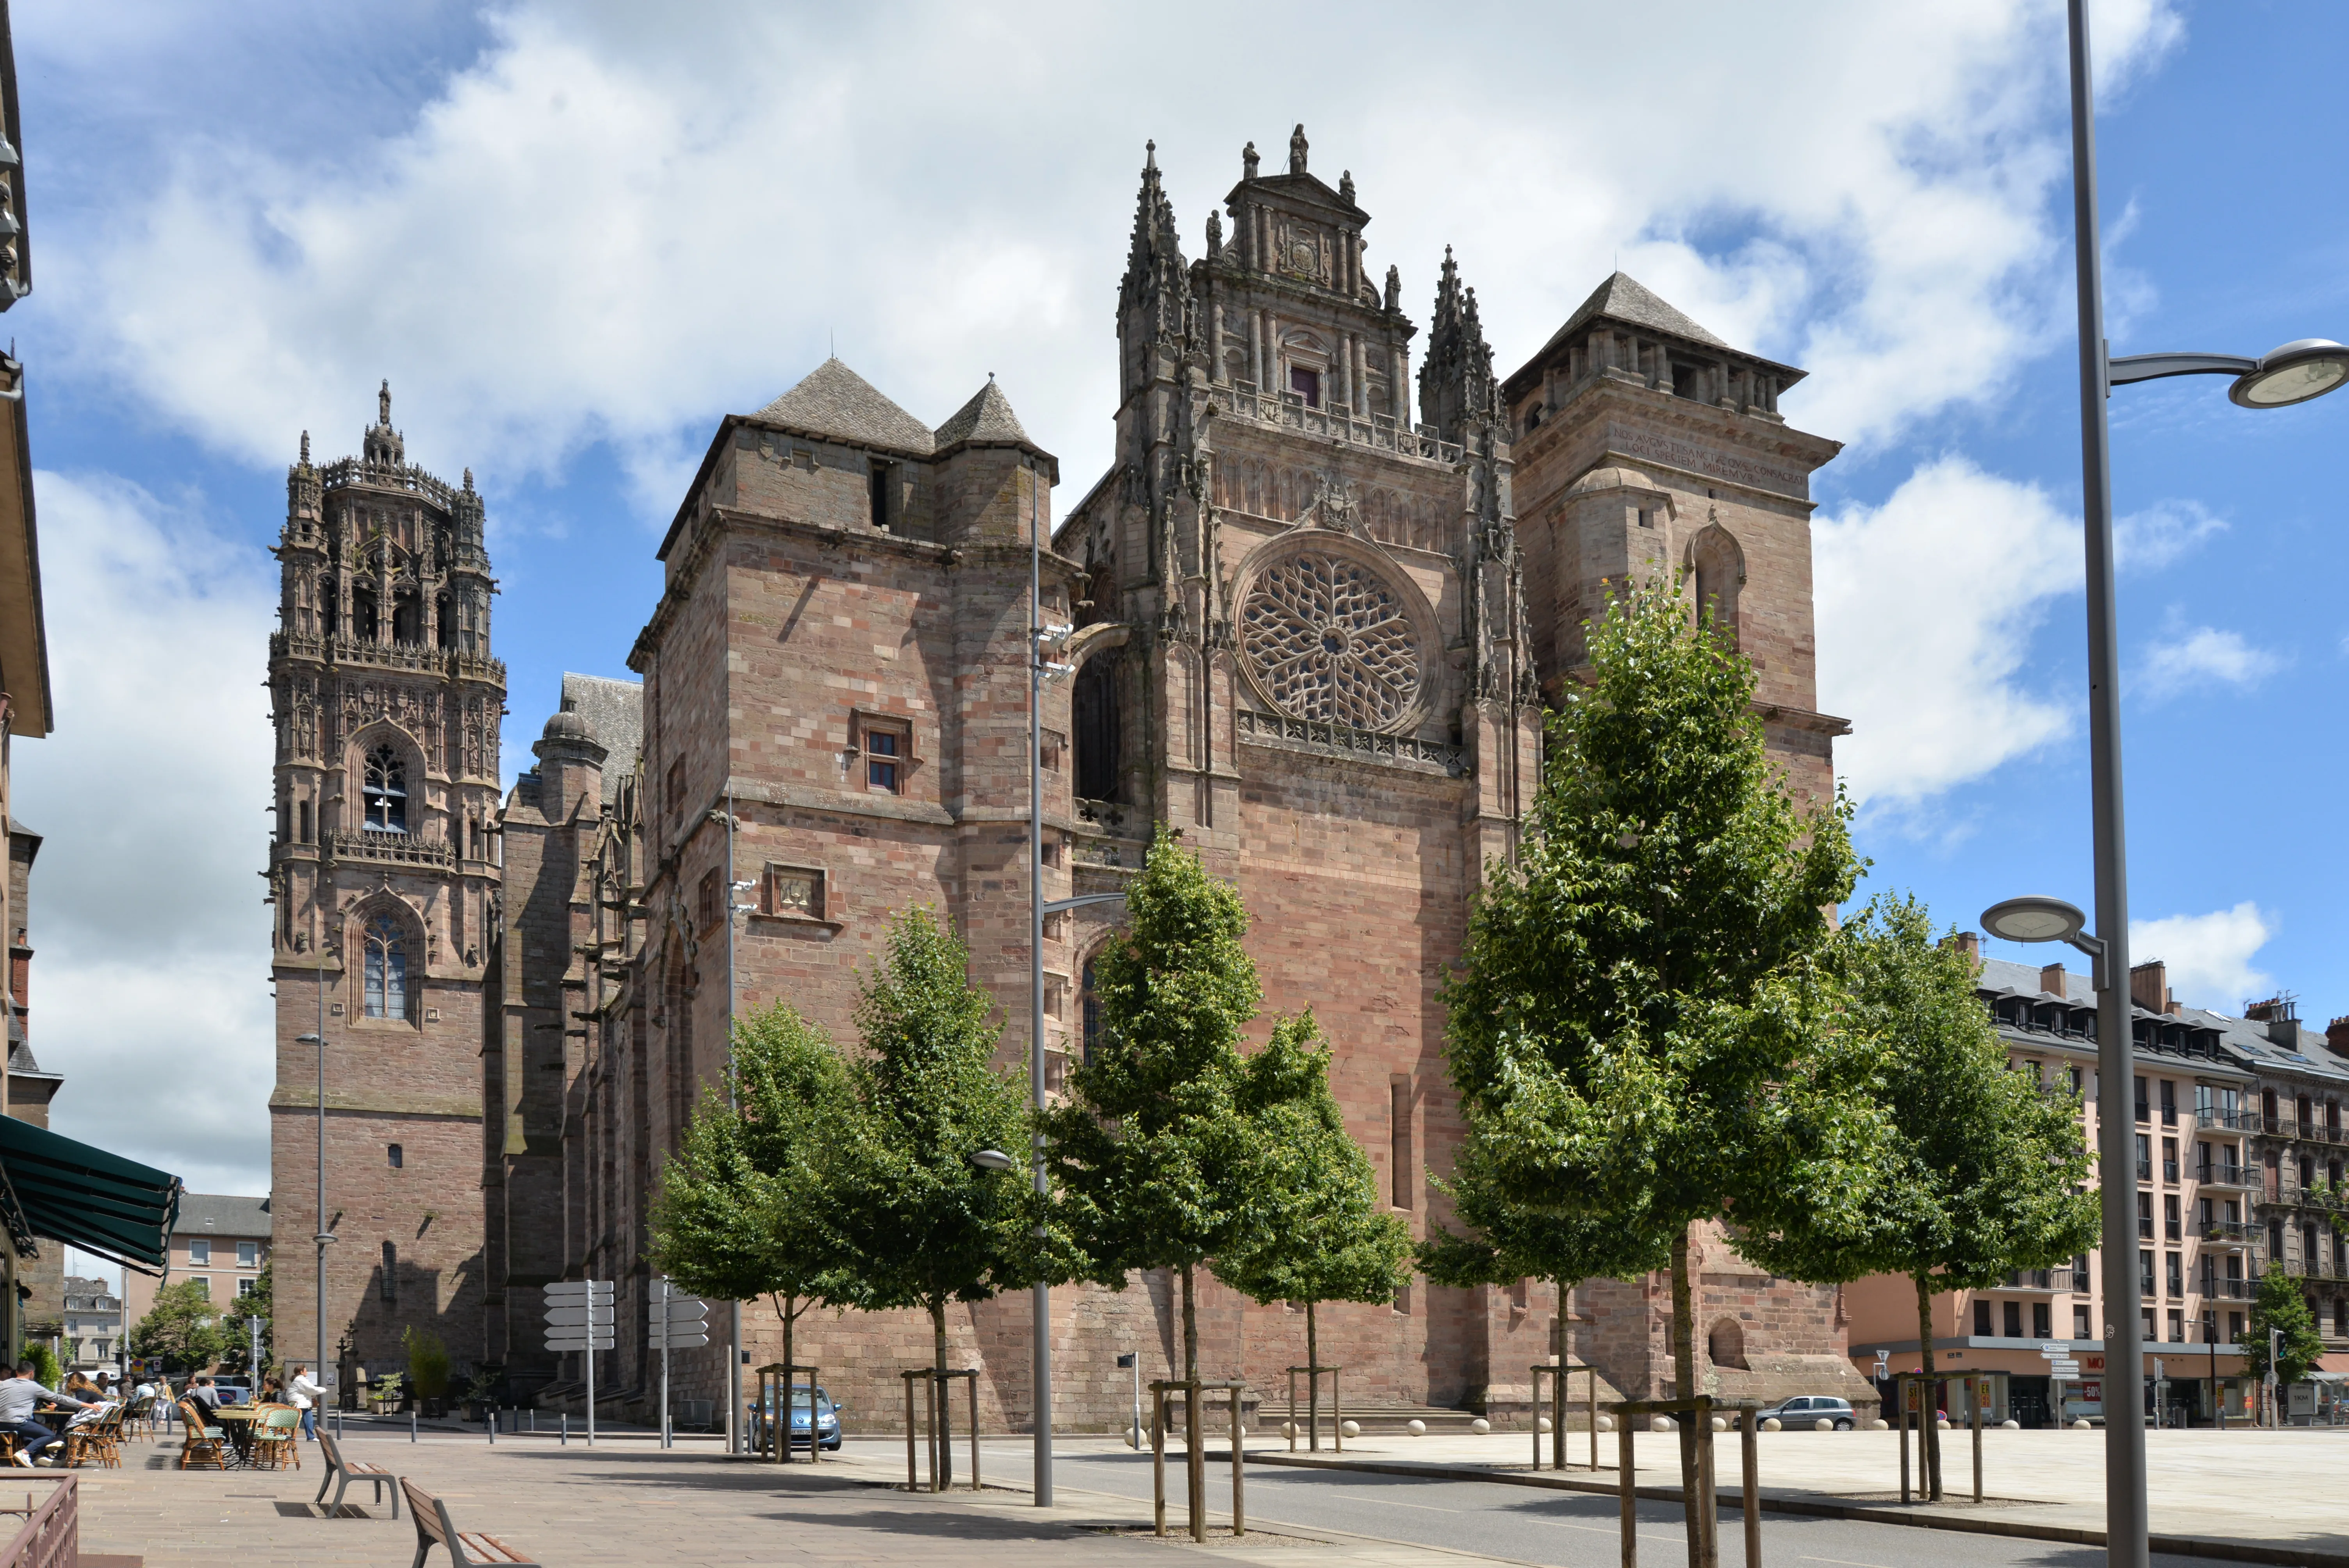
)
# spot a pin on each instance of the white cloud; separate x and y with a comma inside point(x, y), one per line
point(2150, 540)
point(2191, 658)
point(2208, 958)
point(609, 225)
point(151, 979)
point(1926, 606)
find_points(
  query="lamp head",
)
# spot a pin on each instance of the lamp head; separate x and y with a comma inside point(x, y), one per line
point(308, 1041)
point(991, 1160)
point(2033, 919)
point(2301, 369)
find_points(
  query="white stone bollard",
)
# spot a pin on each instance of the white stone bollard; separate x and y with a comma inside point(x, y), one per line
point(1879, 1425)
point(2082, 1425)
point(1480, 1426)
point(1132, 1439)
point(1289, 1428)
point(1662, 1424)
point(2012, 1426)
point(1605, 1424)
point(1415, 1426)
point(1823, 1425)
point(1721, 1423)
point(1773, 1424)
point(1541, 1423)
point(1352, 1428)
point(1942, 1422)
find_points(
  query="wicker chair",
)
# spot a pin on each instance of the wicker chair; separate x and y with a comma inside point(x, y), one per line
point(276, 1434)
point(206, 1446)
point(100, 1442)
point(139, 1417)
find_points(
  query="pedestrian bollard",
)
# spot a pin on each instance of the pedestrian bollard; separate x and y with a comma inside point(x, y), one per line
point(493, 1428)
point(411, 1426)
point(566, 1430)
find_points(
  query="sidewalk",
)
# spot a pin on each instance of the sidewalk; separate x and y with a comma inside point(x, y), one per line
point(2258, 1496)
point(690, 1505)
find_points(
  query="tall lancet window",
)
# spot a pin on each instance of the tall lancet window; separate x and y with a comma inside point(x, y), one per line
point(387, 969)
point(386, 792)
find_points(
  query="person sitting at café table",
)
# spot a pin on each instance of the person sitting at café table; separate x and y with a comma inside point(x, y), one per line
point(202, 1392)
point(18, 1394)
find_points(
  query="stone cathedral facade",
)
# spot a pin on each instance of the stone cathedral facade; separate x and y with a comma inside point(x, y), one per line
point(384, 881)
point(1336, 569)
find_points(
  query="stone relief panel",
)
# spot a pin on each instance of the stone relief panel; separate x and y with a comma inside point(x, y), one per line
point(1330, 633)
point(1286, 492)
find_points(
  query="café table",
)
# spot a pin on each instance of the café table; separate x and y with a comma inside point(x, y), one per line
point(237, 1421)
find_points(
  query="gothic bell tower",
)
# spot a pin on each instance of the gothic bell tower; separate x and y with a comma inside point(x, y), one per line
point(384, 879)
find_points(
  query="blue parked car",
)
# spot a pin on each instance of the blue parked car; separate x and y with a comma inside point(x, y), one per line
point(826, 1422)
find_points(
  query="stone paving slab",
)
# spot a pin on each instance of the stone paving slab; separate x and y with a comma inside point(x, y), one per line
point(618, 1502)
point(2276, 1494)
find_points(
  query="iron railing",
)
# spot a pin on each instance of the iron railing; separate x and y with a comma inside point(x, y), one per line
point(51, 1537)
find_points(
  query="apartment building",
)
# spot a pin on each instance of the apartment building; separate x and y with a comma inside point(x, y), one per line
point(222, 1242)
point(92, 1337)
point(2206, 1226)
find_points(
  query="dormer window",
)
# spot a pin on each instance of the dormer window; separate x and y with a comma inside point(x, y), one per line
point(386, 792)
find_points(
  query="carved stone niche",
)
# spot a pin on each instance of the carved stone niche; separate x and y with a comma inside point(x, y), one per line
point(1303, 250)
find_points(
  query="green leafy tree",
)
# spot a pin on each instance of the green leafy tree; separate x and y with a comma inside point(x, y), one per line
point(254, 1308)
point(2280, 1305)
point(1984, 1175)
point(1158, 1162)
point(1643, 1030)
point(925, 1224)
point(748, 1205)
point(183, 1328)
point(46, 1370)
point(1316, 1234)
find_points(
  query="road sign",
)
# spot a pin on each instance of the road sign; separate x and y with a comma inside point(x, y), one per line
point(563, 1341)
point(679, 1323)
point(600, 1315)
point(2067, 1369)
point(573, 1291)
point(2055, 1349)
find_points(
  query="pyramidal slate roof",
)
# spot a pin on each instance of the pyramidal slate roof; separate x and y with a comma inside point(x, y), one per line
point(988, 416)
point(1626, 298)
point(833, 401)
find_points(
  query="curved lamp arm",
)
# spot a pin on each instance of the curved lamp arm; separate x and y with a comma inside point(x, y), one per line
point(2154, 366)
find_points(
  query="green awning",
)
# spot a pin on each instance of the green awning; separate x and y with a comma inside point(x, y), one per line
point(64, 1190)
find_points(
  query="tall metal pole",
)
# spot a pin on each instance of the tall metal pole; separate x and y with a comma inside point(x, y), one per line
point(2124, 1494)
point(1043, 1293)
point(735, 1436)
point(323, 1236)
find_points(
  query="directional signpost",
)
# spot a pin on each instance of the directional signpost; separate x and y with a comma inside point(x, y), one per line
point(2062, 1368)
point(579, 1317)
point(677, 1323)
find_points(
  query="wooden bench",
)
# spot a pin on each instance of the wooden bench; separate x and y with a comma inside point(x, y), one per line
point(347, 1470)
point(467, 1549)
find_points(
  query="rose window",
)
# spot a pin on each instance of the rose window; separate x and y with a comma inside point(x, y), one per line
point(1328, 639)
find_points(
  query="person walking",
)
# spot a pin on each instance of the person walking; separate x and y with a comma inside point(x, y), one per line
point(305, 1395)
point(18, 1396)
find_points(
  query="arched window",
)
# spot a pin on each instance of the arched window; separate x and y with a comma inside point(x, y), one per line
point(1095, 702)
point(1725, 1345)
point(387, 969)
point(386, 792)
point(1718, 569)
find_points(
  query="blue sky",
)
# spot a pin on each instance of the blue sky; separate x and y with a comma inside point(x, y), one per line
point(573, 238)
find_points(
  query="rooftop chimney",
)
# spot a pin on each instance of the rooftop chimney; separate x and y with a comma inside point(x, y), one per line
point(2150, 986)
point(2337, 1035)
point(1969, 943)
point(2051, 980)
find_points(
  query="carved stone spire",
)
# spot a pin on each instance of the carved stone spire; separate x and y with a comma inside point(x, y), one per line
point(1154, 298)
point(1456, 386)
point(1296, 148)
point(305, 449)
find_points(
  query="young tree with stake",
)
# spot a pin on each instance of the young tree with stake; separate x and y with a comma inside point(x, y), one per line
point(1984, 1175)
point(1316, 1234)
point(1642, 1031)
point(746, 1206)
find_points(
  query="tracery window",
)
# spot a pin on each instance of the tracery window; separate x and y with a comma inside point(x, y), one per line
point(385, 792)
point(1326, 638)
point(387, 969)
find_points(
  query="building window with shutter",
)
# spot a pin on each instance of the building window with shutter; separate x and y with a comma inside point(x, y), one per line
point(888, 747)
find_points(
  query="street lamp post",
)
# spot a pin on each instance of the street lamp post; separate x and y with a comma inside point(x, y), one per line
point(736, 1435)
point(324, 1236)
point(2306, 368)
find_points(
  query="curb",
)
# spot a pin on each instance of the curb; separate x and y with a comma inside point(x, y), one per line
point(2072, 1535)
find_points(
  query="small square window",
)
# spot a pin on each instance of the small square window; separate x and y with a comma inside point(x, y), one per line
point(795, 892)
point(204, 1286)
point(247, 1286)
point(200, 1250)
point(248, 1255)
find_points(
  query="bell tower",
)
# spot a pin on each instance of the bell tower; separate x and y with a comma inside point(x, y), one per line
point(383, 877)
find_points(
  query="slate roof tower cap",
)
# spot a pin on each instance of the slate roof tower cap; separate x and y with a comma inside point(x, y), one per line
point(988, 416)
point(1626, 299)
point(834, 403)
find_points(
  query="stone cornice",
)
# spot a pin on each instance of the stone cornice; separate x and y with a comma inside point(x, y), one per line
point(459, 1107)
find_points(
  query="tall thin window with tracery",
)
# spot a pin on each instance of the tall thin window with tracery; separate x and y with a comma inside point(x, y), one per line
point(386, 792)
point(387, 969)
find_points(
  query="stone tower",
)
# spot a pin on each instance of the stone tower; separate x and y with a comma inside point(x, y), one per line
point(384, 879)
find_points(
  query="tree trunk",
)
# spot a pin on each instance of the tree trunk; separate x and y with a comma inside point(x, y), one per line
point(1312, 1382)
point(1190, 1331)
point(1929, 1439)
point(1684, 1380)
point(941, 1427)
point(1194, 1444)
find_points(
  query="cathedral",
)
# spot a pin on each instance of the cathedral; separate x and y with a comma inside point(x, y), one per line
point(1332, 575)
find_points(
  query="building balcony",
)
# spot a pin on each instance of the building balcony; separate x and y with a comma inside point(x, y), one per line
point(2313, 1268)
point(453, 664)
point(2037, 1281)
point(2244, 1177)
point(2226, 1234)
point(2229, 1289)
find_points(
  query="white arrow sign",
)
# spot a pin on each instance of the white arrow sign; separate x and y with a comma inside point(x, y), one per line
point(572, 1290)
point(561, 1340)
point(600, 1315)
